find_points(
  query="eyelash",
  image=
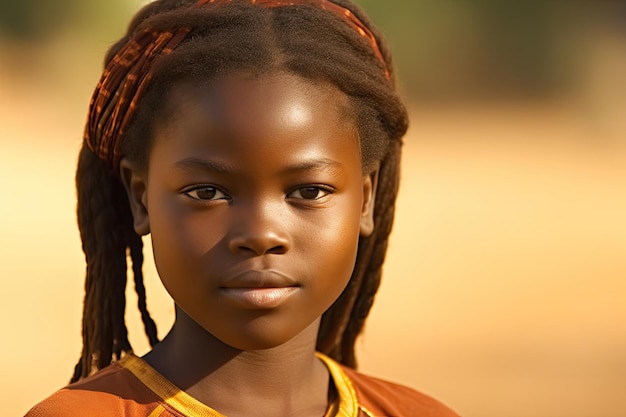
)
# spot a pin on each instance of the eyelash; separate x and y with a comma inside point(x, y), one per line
point(324, 189)
point(188, 192)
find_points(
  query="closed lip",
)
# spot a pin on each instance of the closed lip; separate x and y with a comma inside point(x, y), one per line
point(259, 279)
point(259, 290)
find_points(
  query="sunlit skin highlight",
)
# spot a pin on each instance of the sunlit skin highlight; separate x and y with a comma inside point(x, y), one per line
point(255, 200)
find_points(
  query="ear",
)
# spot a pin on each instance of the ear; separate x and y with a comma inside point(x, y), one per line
point(370, 184)
point(135, 183)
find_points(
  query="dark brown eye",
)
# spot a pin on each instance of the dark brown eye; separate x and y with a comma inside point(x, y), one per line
point(206, 193)
point(309, 193)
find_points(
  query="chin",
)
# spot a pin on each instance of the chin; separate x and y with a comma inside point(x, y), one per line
point(263, 335)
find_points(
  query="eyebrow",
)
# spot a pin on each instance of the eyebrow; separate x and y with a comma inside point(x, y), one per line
point(315, 165)
point(308, 165)
point(192, 162)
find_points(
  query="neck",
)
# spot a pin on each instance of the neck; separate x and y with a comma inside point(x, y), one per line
point(284, 380)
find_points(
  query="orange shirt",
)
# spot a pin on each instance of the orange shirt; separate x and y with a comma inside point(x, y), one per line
point(131, 387)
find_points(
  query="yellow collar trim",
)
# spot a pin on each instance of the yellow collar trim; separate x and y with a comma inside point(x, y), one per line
point(170, 393)
point(348, 403)
point(183, 402)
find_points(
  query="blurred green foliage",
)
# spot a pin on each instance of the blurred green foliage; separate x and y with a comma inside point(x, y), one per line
point(446, 49)
point(443, 49)
point(31, 19)
point(38, 20)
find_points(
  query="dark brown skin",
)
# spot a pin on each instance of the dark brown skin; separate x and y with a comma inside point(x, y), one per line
point(255, 199)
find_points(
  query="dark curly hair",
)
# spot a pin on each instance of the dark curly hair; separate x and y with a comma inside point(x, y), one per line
point(302, 39)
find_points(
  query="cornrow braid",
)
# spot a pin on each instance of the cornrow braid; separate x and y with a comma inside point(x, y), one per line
point(226, 37)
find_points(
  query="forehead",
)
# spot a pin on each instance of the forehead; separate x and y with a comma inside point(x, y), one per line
point(280, 111)
point(290, 97)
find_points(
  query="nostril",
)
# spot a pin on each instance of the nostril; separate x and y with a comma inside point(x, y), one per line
point(259, 232)
point(244, 249)
point(277, 250)
point(259, 245)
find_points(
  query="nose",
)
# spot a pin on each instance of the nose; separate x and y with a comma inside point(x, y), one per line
point(259, 230)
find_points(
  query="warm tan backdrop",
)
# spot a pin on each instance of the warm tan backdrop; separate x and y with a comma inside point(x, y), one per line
point(505, 289)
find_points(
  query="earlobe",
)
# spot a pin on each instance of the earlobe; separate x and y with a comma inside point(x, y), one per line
point(370, 184)
point(136, 189)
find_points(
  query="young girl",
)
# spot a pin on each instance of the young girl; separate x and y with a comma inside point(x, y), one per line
point(258, 143)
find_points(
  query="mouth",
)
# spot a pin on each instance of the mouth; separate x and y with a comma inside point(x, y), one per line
point(259, 290)
point(259, 298)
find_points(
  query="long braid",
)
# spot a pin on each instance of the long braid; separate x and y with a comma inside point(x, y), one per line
point(136, 254)
point(375, 256)
point(302, 39)
point(103, 215)
point(105, 224)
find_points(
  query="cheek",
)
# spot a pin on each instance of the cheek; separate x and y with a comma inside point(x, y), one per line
point(337, 244)
point(180, 237)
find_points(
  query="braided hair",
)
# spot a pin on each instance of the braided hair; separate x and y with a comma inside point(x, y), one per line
point(301, 38)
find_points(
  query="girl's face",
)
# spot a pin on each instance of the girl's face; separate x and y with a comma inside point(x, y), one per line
point(255, 200)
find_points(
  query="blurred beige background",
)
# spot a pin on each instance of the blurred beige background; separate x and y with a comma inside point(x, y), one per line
point(505, 288)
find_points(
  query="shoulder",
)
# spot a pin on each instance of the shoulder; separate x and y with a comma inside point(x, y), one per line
point(384, 398)
point(113, 391)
